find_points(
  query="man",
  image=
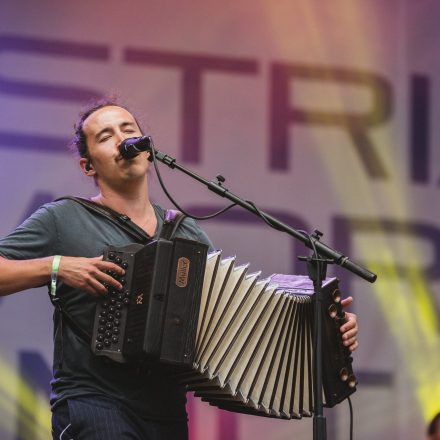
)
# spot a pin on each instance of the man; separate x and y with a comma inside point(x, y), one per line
point(92, 399)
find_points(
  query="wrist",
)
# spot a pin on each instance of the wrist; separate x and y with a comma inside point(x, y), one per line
point(54, 274)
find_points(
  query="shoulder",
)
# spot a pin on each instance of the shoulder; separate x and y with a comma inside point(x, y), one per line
point(57, 207)
point(58, 214)
point(63, 209)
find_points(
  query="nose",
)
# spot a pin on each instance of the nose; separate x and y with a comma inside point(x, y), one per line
point(120, 136)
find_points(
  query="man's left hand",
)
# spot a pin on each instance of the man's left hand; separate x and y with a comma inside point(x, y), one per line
point(349, 329)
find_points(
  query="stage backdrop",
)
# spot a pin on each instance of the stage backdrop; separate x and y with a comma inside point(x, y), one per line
point(322, 113)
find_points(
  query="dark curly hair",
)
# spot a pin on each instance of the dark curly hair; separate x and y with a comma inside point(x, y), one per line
point(79, 143)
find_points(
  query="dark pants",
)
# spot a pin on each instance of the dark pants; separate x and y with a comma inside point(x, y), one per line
point(94, 418)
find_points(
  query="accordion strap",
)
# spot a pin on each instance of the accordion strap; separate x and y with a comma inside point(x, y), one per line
point(119, 219)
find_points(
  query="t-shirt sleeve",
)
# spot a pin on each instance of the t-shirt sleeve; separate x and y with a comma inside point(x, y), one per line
point(36, 237)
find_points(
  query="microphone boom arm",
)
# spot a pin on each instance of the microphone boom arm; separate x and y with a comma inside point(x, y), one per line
point(218, 188)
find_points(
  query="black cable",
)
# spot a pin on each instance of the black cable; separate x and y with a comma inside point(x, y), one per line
point(351, 417)
point(263, 216)
point(205, 217)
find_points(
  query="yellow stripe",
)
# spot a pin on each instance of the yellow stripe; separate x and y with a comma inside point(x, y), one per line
point(25, 406)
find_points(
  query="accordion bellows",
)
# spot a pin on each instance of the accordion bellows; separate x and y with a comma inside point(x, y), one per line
point(254, 343)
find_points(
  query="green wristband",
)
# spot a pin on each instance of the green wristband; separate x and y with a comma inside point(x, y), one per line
point(54, 274)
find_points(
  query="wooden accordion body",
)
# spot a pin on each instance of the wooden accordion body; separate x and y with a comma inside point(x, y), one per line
point(239, 342)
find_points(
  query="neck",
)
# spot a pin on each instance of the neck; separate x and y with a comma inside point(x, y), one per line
point(133, 201)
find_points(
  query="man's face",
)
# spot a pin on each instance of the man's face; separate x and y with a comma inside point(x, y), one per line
point(105, 129)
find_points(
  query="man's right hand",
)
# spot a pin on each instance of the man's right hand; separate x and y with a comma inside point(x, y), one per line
point(89, 274)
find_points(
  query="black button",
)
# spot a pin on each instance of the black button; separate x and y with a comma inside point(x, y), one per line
point(100, 338)
point(110, 317)
point(127, 293)
point(99, 346)
point(122, 281)
point(124, 265)
point(104, 304)
point(115, 340)
point(101, 329)
point(126, 301)
point(108, 334)
point(119, 306)
point(111, 256)
point(112, 310)
point(102, 321)
point(117, 322)
point(106, 342)
point(115, 331)
point(104, 313)
point(118, 260)
point(108, 325)
point(118, 314)
point(120, 297)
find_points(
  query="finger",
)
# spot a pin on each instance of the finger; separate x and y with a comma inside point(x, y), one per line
point(95, 288)
point(108, 279)
point(348, 326)
point(350, 322)
point(346, 302)
point(350, 335)
point(108, 265)
point(349, 342)
point(354, 346)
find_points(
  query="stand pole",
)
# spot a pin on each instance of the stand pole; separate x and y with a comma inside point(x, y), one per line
point(317, 270)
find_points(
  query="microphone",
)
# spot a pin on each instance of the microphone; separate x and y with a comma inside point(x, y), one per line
point(131, 147)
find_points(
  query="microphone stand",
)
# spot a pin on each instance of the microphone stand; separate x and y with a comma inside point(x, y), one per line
point(317, 266)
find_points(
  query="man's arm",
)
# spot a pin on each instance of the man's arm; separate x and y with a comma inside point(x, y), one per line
point(17, 275)
point(88, 274)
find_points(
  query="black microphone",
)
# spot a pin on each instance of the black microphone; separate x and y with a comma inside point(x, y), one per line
point(131, 147)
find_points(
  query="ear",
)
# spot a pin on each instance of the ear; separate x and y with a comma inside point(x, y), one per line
point(86, 166)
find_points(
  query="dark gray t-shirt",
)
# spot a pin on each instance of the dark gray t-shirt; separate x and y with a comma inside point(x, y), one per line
point(67, 228)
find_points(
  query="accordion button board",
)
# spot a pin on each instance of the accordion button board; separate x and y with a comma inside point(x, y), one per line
point(111, 311)
point(152, 316)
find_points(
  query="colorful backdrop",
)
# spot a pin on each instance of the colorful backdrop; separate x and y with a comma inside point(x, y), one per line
point(322, 113)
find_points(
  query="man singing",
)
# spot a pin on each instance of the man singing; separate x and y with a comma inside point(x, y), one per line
point(93, 399)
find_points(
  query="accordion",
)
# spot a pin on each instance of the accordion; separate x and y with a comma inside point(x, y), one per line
point(241, 342)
